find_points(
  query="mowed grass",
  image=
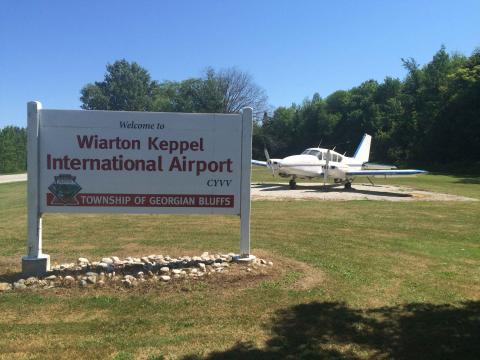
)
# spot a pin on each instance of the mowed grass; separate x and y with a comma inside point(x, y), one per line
point(382, 280)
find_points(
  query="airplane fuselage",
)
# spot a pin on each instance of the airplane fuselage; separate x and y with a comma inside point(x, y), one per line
point(312, 163)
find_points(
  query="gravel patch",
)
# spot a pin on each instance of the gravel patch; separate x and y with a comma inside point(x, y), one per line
point(315, 191)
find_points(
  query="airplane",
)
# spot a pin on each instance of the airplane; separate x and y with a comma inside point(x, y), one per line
point(326, 163)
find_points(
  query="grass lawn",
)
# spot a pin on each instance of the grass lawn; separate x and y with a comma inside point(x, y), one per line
point(374, 279)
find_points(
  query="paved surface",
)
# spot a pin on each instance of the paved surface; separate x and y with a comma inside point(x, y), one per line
point(309, 191)
point(12, 178)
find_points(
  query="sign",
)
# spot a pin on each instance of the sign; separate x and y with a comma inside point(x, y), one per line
point(116, 161)
point(137, 162)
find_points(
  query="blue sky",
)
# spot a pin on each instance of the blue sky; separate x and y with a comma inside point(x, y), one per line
point(50, 49)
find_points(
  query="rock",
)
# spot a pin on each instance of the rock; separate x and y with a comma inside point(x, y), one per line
point(19, 286)
point(197, 258)
point(127, 283)
point(21, 281)
point(204, 254)
point(83, 283)
point(5, 286)
point(107, 260)
point(193, 271)
point(130, 278)
point(270, 263)
point(248, 269)
point(51, 277)
point(91, 273)
point(201, 266)
point(100, 283)
point(145, 259)
point(263, 262)
point(176, 271)
point(82, 260)
point(91, 279)
point(177, 276)
point(69, 280)
point(115, 259)
point(165, 277)
point(217, 265)
point(42, 283)
point(103, 265)
point(32, 280)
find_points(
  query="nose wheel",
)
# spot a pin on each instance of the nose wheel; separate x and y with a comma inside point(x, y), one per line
point(293, 184)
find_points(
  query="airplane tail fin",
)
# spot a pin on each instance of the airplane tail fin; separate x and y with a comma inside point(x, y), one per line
point(362, 153)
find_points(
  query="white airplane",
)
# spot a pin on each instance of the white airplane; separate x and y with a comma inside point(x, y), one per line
point(326, 163)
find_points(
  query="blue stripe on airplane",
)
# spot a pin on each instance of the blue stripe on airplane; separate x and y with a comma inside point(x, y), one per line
point(386, 172)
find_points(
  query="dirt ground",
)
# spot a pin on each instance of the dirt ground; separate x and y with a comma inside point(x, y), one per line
point(315, 191)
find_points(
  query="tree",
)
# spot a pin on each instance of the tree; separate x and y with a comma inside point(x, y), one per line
point(13, 149)
point(126, 86)
point(229, 90)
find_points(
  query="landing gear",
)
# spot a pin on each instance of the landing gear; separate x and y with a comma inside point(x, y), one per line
point(293, 184)
point(348, 185)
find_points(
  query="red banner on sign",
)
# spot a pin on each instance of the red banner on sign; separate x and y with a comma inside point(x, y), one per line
point(144, 200)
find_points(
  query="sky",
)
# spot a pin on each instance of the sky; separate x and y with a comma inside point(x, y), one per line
point(50, 49)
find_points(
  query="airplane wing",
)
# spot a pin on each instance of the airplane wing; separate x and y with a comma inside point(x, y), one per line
point(259, 163)
point(386, 172)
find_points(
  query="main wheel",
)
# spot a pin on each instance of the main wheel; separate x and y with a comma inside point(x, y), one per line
point(293, 184)
point(348, 185)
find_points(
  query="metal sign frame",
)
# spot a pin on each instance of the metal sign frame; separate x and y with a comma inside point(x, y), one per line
point(37, 263)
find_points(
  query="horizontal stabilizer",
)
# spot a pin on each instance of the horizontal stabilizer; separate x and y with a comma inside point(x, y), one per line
point(259, 163)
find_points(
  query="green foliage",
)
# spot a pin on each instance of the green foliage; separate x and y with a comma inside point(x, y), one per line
point(432, 117)
point(13, 150)
point(126, 86)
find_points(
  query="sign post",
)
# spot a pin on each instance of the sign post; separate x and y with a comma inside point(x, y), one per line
point(35, 262)
point(136, 162)
point(247, 118)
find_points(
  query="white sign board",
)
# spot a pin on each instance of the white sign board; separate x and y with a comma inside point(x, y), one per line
point(138, 162)
point(102, 161)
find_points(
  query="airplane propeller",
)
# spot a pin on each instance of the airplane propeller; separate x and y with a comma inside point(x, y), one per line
point(269, 162)
point(327, 166)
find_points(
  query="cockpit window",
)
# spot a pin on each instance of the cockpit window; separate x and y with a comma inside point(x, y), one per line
point(310, 152)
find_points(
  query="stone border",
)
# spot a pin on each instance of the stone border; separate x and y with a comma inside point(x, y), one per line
point(131, 271)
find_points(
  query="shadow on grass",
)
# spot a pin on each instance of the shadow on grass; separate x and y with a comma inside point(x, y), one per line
point(335, 331)
point(468, 180)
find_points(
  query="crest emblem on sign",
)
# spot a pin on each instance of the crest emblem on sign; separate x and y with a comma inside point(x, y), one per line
point(65, 188)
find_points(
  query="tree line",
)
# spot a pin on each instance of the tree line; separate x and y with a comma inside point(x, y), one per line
point(430, 118)
point(13, 150)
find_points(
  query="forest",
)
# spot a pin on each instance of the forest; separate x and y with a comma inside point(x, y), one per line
point(431, 118)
